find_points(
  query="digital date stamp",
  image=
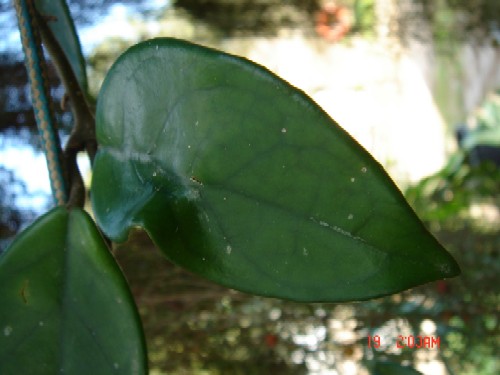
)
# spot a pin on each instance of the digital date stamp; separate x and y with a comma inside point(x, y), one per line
point(410, 341)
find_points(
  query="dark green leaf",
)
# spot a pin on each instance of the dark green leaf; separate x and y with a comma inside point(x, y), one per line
point(66, 307)
point(241, 178)
point(62, 26)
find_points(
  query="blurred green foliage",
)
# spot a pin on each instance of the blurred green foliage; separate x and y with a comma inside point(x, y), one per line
point(364, 16)
point(471, 177)
point(461, 204)
point(452, 21)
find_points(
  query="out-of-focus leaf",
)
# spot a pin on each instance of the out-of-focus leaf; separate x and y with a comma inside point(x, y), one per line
point(242, 178)
point(390, 368)
point(66, 307)
point(61, 23)
point(483, 136)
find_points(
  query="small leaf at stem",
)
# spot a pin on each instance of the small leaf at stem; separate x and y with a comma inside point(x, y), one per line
point(61, 23)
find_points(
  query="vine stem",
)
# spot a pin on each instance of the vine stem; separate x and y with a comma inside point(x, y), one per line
point(36, 67)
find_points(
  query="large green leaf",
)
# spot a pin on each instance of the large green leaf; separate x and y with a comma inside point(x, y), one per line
point(62, 26)
point(65, 305)
point(241, 178)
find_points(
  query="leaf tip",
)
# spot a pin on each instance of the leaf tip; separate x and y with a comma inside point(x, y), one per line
point(450, 269)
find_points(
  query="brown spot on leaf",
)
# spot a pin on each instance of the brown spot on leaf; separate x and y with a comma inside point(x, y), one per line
point(25, 291)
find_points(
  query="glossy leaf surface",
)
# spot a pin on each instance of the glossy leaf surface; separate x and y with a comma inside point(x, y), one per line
point(66, 307)
point(61, 23)
point(241, 178)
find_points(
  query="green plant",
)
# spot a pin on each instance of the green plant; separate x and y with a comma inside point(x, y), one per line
point(233, 173)
point(471, 174)
point(364, 16)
